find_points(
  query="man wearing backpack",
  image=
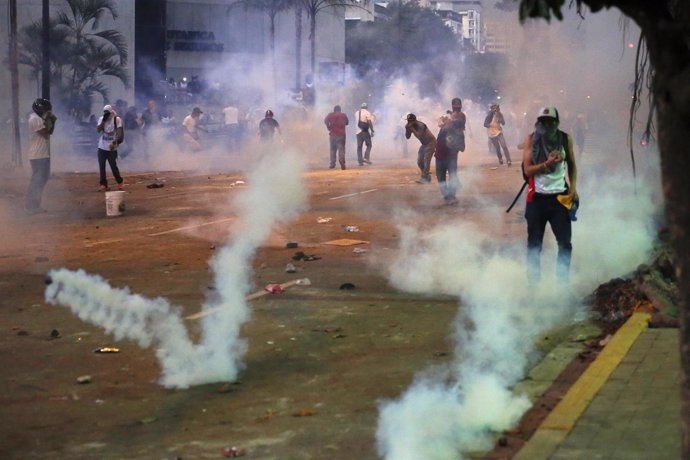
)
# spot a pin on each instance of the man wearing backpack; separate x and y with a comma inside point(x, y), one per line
point(450, 141)
point(546, 153)
point(112, 134)
point(365, 124)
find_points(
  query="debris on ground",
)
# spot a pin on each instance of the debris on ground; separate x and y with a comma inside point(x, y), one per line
point(55, 334)
point(291, 245)
point(323, 220)
point(345, 242)
point(104, 350)
point(273, 288)
point(290, 268)
point(651, 288)
point(350, 228)
point(360, 250)
point(347, 286)
point(304, 413)
point(299, 255)
point(155, 185)
point(233, 452)
point(84, 379)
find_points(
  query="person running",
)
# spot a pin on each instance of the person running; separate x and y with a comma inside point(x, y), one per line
point(335, 122)
point(191, 129)
point(550, 198)
point(426, 150)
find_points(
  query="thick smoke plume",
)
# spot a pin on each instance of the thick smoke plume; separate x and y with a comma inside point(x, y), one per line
point(275, 193)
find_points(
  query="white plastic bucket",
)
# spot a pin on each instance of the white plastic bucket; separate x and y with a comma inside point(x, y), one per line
point(114, 203)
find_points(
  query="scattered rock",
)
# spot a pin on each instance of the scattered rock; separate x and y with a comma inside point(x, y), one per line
point(291, 245)
point(55, 334)
point(347, 286)
point(84, 379)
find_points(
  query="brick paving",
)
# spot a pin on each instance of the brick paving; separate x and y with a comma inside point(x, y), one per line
point(634, 415)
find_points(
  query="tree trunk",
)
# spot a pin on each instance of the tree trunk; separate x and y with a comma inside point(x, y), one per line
point(17, 149)
point(298, 47)
point(312, 41)
point(668, 51)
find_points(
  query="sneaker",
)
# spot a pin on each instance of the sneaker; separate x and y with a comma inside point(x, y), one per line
point(103, 188)
point(121, 186)
point(367, 161)
point(342, 166)
point(451, 201)
point(510, 163)
point(331, 167)
point(500, 162)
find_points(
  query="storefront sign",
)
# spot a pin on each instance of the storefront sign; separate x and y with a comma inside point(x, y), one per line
point(193, 40)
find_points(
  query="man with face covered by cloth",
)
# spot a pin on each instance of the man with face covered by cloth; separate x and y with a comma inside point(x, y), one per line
point(550, 198)
point(111, 130)
point(426, 150)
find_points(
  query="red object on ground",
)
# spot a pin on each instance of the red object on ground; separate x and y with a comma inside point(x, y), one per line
point(233, 452)
point(274, 288)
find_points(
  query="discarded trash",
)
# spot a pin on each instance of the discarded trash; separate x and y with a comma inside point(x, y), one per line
point(289, 268)
point(273, 288)
point(339, 336)
point(147, 420)
point(155, 185)
point(350, 228)
point(299, 255)
point(84, 379)
point(107, 350)
point(213, 246)
point(303, 413)
point(54, 334)
point(323, 220)
point(360, 250)
point(291, 245)
point(237, 182)
point(345, 242)
point(347, 286)
point(233, 452)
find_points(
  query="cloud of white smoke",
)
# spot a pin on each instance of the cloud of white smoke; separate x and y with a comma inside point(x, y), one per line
point(274, 195)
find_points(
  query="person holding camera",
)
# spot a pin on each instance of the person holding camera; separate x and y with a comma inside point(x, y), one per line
point(365, 124)
point(42, 124)
point(493, 123)
point(112, 135)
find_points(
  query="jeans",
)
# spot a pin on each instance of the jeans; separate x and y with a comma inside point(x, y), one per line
point(424, 155)
point(448, 166)
point(500, 142)
point(40, 172)
point(337, 144)
point(363, 138)
point(542, 210)
point(111, 157)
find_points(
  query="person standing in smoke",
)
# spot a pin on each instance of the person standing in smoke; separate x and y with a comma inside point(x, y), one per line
point(550, 198)
point(231, 121)
point(365, 123)
point(450, 141)
point(42, 124)
point(493, 123)
point(112, 134)
point(426, 150)
point(191, 127)
point(336, 121)
point(268, 127)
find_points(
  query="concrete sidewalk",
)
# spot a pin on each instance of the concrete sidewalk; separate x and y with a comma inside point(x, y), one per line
point(625, 406)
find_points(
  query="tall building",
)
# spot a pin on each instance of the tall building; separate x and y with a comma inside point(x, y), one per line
point(463, 16)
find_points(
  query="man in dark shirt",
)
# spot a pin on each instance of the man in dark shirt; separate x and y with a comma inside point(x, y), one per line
point(336, 121)
point(268, 126)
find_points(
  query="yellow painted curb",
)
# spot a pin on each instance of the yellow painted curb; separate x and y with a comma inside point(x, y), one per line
point(561, 420)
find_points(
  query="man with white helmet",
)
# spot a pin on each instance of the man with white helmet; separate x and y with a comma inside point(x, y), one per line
point(365, 124)
point(547, 158)
point(42, 124)
point(112, 134)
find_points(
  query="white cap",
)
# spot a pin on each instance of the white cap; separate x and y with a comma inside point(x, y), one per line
point(548, 112)
point(109, 108)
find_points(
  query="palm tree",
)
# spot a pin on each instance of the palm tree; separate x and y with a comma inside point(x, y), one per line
point(92, 53)
point(271, 8)
point(313, 8)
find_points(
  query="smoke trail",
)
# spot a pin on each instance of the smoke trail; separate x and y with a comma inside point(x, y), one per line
point(275, 193)
point(453, 411)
